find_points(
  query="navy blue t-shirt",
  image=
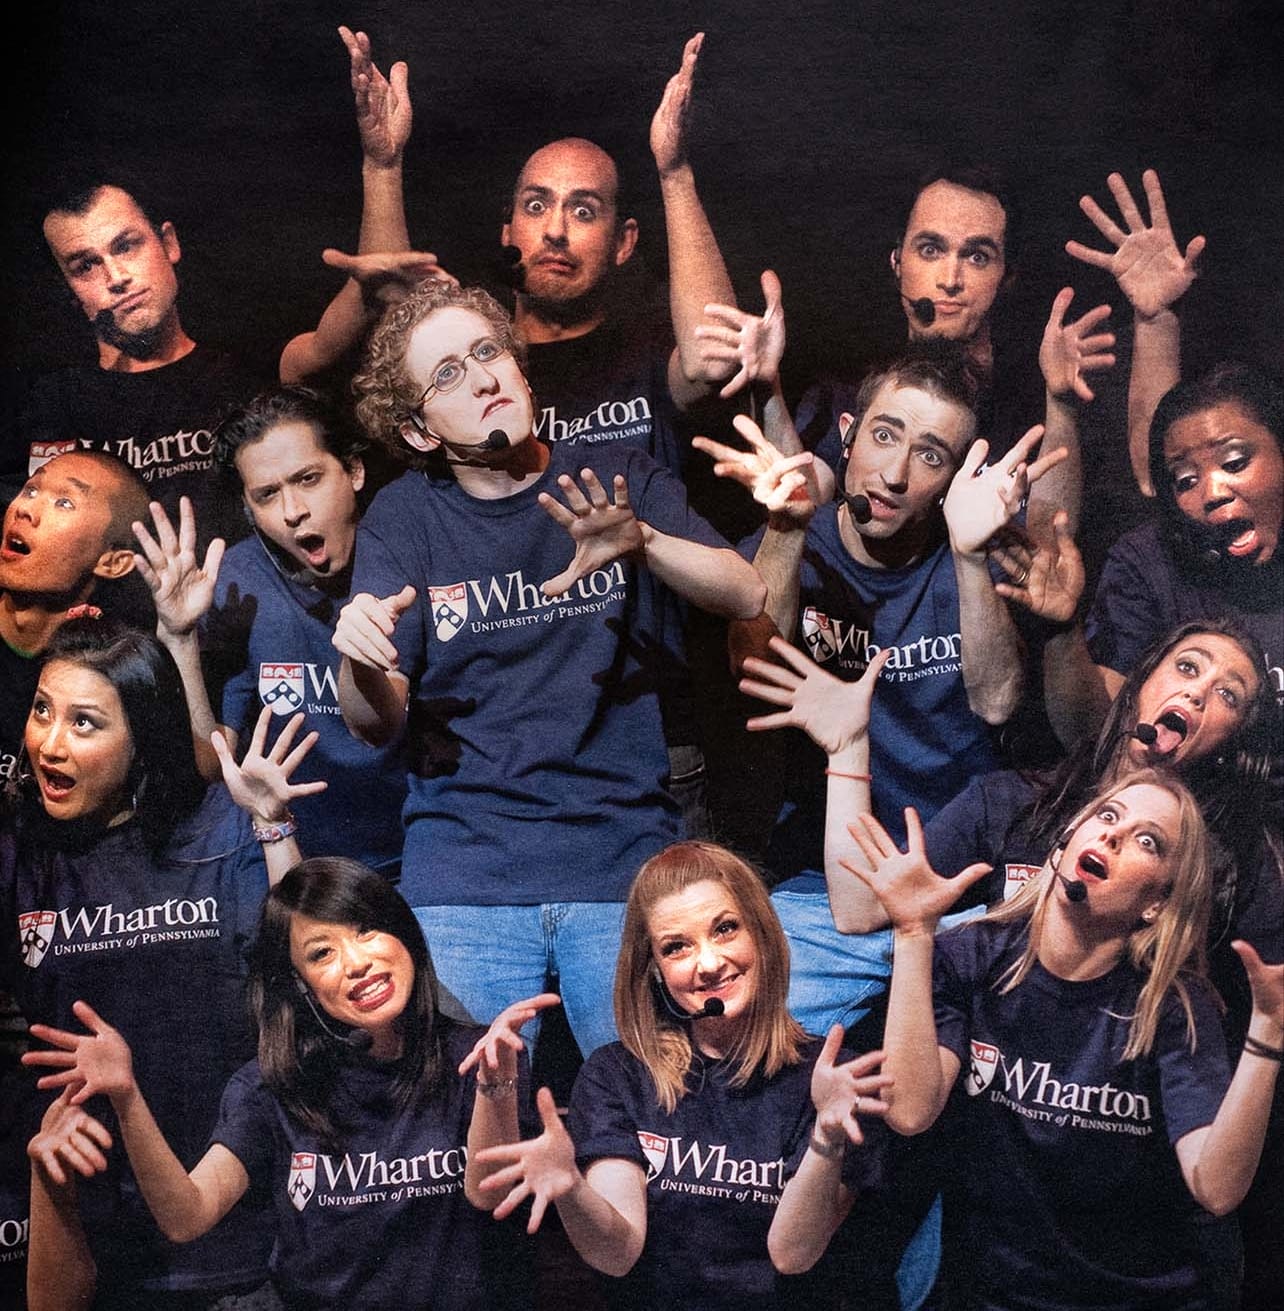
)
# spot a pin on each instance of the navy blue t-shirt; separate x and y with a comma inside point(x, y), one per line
point(534, 743)
point(157, 945)
point(1144, 593)
point(925, 741)
point(267, 641)
point(715, 1170)
point(384, 1222)
point(1070, 1189)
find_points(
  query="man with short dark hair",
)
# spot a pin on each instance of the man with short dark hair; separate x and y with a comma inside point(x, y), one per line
point(66, 532)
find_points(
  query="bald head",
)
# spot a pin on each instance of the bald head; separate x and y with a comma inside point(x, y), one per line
point(566, 223)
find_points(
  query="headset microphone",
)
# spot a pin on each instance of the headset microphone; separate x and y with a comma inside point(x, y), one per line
point(1076, 889)
point(1145, 734)
point(495, 440)
point(858, 507)
point(356, 1039)
point(923, 310)
point(710, 1010)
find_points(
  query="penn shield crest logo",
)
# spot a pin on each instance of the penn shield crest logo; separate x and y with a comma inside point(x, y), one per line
point(818, 634)
point(35, 933)
point(303, 1179)
point(281, 687)
point(981, 1067)
point(42, 452)
point(449, 606)
point(655, 1147)
point(1015, 877)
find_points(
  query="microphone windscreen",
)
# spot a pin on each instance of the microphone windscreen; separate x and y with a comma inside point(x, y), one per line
point(860, 508)
point(359, 1040)
point(1146, 734)
point(714, 1007)
point(924, 310)
point(496, 440)
point(1076, 890)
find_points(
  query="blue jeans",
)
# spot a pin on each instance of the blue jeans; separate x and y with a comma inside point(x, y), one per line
point(832, 976)
point(488, 957)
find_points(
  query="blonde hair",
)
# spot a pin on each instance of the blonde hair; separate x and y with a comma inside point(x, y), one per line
point(772, 1038)
point(386, 394)
point(1164, 949)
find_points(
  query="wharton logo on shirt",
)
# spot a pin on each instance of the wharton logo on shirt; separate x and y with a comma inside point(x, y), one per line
point(104, 928)
point(611, 421)
point(848, 645)
point(511, 601)
point(687, 1166)
point(177, 452)
point(1031, 1089)
point(285, 686)
point(367, 1177)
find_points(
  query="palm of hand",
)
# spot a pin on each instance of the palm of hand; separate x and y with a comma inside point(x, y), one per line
point(604, 534)
point(976, 508)
point(1151, 271)
point(1055, 584)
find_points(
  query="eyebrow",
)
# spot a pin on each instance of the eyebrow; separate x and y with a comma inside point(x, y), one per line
point(1210, 445)
point(579, 193)
point(899, 424)
point(89, 252)
point(927, 234)
point(1231, 674)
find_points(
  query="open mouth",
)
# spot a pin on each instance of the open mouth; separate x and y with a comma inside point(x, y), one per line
point(312, 547)
point(1175, 721)
point(1092, 865)
point(1237, 537)
point(55, 784)
point(371, 993)
point(14, 545)
point(1171, 730)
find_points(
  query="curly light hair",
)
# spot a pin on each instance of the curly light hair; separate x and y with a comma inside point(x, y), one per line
point(385, 392)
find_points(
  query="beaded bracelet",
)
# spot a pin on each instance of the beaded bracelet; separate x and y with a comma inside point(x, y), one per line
point(496, 1088)
point(286, 827)
point(1256, 1047)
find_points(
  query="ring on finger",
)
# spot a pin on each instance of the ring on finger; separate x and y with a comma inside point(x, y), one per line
point(1020, 579)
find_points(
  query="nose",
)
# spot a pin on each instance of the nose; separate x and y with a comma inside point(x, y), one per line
point(950, 275)
point(50, 747)
point(293, 507)
point(484, 381)
point(355, 959)
point(895, 472)
point(118, 276)
point(555, 226)
point(1217, 489)
point(707, 960)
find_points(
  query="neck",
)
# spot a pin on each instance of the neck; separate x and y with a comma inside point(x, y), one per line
point(715, 1036)
point(1077, 949)
point(908, 547)
point(28, 623)
point(539, 322)
point(517, 468)
point(170, 344)
point(388, 1044)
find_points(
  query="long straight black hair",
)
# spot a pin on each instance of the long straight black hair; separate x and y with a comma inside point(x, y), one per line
point(300, 1062)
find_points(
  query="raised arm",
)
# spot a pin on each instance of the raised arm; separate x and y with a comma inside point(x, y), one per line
point(1154, 274)
point(977, 506)
point(915, 897)
point(816, 1201)
point(697, 274)
point(384, 116)
point(372, 691)
point(714, 578)
point(182, 592)
point(603, 1212)
point(494, 1120)
point(835, 715)
point(185, 1206)
point(261, 786)
point(1068, 352)
point(1220, 1160)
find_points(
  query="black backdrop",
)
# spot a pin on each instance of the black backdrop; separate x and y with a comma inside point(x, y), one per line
point(810, 116)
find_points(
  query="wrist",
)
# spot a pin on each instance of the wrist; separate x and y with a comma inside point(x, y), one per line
point(497, 1089)
point(374, 168)
point(851, 759)
point(1164, 318)
point(825, 1146)
point(922, 929)
point(679, 174)
point(275, 827)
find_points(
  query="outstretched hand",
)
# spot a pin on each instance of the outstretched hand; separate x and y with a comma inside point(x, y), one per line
point(603, 530)
point(541, 1168)
point(260, 784)
point(69, 1136)
point(978, 504)
point(1146, 262)
point(495, 1053)
point(1047, 578)
point(387, 277)
point(783, 484)
point(1069, 350)
point(87, 1064)
point(911, 892)
point(1267, 984)
point(182, 590)
point(384, 113)
point(365, 627)
point(753, 344)
point(841, 1093)
point(669, 124)
point(833, 713)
